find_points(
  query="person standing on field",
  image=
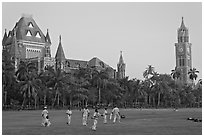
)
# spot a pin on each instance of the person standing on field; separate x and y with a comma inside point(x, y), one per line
point(95, 117)
point(69, 113)
point(116, 114)
point(105, 113)
point(85, 115)
point(45, 118)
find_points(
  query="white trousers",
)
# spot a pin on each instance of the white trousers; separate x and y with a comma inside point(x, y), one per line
point(105, 119)
point(69, 119)
point(115, 117)
point(84, 120)
point(94, 124)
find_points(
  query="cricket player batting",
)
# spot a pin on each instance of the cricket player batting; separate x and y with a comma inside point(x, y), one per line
point(69, 113)
point(85, 115)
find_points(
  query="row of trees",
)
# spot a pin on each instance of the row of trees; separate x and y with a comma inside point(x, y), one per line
point(87, 86)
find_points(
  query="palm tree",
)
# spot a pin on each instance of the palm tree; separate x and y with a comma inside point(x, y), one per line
point(100, 80)
point(58, 80)
point(148, 72)
point(29, 84)
point(176, 73)
point(192, 74)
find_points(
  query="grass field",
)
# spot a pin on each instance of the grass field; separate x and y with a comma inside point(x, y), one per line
point(137, 122)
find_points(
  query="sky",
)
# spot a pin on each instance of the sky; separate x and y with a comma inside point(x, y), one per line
point(146, 33)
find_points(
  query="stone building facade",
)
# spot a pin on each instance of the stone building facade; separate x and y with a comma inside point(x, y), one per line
point(26, 42)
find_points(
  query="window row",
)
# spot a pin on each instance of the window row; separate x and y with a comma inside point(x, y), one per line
point(32, 50)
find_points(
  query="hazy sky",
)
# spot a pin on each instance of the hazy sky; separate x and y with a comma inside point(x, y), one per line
point(145, 32)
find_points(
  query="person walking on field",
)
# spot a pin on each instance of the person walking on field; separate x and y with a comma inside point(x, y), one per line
point(105, 113)
point(45, 117)
point(85, 115)
point(95, 117)
point(116, 114)
point(69, 113)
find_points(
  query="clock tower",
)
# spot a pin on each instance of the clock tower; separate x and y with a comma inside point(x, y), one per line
point(183, 54)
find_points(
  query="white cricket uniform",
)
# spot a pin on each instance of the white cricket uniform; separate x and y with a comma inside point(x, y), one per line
point(116, 114)
point(105, 113)
point(95, 116)
point(69, 113)
point(85, 116)
point(44, 119)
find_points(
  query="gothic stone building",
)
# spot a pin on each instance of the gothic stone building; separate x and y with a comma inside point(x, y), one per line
point(26, 42)
point(183, 54)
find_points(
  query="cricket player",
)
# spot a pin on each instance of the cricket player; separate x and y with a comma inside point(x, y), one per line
point(95, 117)
point(45, 118)
point(105, 113)
point(69, 113)
point(85, 115)
point(116, 114)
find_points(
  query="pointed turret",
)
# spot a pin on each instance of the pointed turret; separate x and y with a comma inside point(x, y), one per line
point(182, 24)
point(183, 35)
point(121, 58)
point(4, 38)
point(60, 52)
point(121, 67)
point(47, 38)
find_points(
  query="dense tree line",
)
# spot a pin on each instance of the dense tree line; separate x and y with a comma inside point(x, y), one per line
point(26, 88)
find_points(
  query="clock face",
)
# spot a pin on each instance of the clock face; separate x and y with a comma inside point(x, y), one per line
point(180, 49)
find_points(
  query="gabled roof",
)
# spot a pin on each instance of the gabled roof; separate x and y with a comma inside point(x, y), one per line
point(4, 38)
point(47, 38)
point(23, 26)
point(77, 63)
point(60, 52)
point(95, 62)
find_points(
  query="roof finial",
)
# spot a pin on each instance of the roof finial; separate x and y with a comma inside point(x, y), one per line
point(182, 18)
point(120, 52)
point(47, 30)
point(5, 30)
point(60, 38)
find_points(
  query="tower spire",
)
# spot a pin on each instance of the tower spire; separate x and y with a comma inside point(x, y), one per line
point(48, 37)
point(4, 38)
point(121, 58)
point(182, 24)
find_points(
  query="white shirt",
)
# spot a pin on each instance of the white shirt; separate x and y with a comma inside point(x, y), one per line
point(96, 115)
point(69, 112)
point(105, 112)
point(115, 111)
point(44, 113)
point(86, 112)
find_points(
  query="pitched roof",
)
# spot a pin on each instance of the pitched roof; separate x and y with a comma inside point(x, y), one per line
point(47, 38)
point(60, 52)
point(77, 63)
point(96, 62)
point(22, 28)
